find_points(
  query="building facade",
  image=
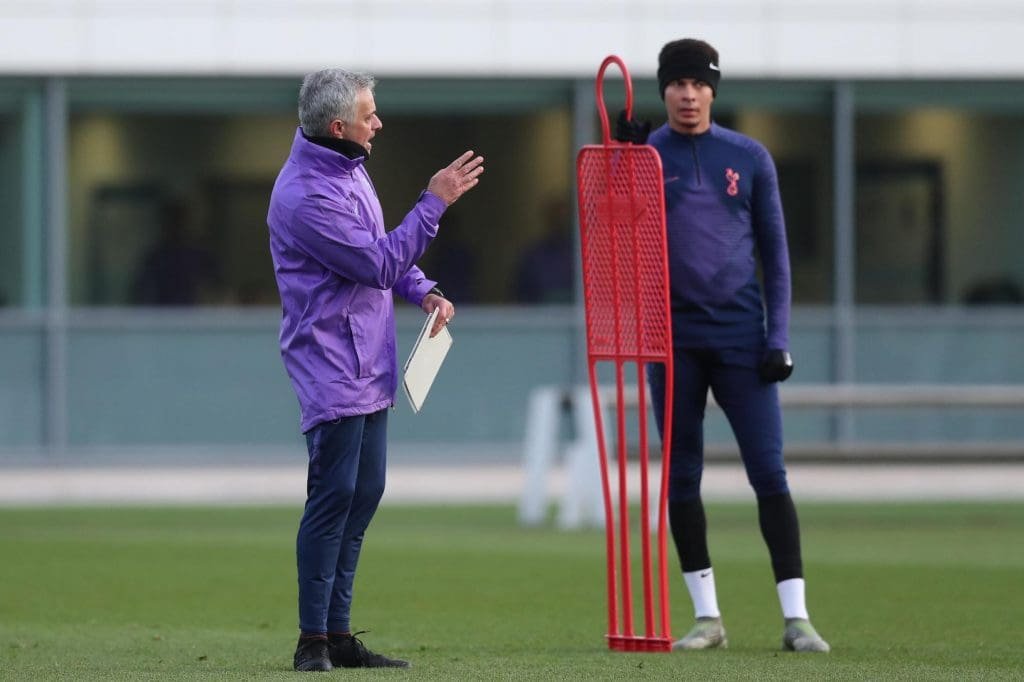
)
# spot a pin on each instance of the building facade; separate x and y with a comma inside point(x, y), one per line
point(139, 142)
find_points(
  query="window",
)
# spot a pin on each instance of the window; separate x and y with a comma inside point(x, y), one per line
point(939, 206)
point(10, 210)
point(170, 209)
point(169, 186)
point(21, 187)
point(509, 239)
point(168, 190)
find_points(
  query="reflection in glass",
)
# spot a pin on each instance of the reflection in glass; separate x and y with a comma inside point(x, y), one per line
point(171, 209)
point(939, 203)
point(177, 269)
point(477, 252)
point(10, 211)
point(545, 271)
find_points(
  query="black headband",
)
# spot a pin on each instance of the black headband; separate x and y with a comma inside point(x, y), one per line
point(688, 65)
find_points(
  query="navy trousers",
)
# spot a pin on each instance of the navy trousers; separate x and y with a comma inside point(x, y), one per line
point(750, 404)
point(344, 484)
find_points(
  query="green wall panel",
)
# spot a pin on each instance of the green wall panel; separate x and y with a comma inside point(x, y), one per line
point(21, 388)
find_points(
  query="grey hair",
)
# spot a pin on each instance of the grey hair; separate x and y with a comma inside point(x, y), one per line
point(329, 94)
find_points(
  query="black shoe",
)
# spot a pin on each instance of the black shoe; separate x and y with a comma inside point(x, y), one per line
point(311, 655)
point(348, 652)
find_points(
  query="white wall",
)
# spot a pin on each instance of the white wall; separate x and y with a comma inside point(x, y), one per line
point(827, 38)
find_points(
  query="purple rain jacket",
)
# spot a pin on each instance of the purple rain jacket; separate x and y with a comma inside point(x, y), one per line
point(335, 267)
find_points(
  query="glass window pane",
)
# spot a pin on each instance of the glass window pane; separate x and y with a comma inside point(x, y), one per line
point(938, 198)
point(10, 210)
point(794, 121)
point(167, 202)
point(170, 209)
point(168, 182)
point(21, 189)
point(510, 238)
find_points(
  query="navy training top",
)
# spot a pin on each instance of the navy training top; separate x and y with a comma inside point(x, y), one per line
point(722, 200)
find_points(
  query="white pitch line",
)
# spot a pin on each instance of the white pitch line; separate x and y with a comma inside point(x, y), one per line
point(497, 483)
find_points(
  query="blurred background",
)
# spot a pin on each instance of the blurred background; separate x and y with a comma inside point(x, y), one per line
point(139, 142)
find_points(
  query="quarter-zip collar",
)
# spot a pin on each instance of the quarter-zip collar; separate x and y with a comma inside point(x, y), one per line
point(693, 141)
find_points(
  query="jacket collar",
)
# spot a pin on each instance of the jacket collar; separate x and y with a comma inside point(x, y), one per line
point(325, 157)
point(346, 148)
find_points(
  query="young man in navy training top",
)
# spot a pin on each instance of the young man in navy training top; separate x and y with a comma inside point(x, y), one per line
point(722, 204)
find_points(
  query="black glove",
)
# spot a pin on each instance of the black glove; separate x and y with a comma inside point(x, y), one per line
point(776, 365)
point(632, 130)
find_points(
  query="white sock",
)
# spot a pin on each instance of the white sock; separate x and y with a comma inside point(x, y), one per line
point(791, 597)
point(701, 585)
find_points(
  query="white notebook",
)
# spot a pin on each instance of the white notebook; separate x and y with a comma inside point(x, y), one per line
point(424, 362)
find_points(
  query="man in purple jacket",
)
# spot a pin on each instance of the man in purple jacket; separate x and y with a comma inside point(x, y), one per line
point(336, 268)
point(723, 210)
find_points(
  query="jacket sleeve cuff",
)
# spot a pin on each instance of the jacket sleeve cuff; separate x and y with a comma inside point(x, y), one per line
point(420, 291)
point(777, 342)
point(433, 205)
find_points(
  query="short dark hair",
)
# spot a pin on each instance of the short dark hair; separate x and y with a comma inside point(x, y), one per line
point(688, 58)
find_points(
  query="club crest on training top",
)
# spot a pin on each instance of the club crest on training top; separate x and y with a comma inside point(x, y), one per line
point(733, 177)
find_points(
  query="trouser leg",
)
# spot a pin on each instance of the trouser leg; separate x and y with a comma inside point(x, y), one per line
point(685, 509)
point(754, 412)
point(368, 491)
point(334, 453)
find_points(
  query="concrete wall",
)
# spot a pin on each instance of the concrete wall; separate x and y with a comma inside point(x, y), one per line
point(891, 38)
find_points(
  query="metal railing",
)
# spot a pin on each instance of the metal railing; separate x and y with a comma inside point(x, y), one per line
point(581, 501)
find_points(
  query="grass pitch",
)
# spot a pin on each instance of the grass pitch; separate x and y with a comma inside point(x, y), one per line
point(916, 591)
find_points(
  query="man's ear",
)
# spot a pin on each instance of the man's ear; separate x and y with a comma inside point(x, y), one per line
point(337, 129)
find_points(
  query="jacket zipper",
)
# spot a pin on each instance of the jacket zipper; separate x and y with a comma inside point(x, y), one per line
point(696, 159)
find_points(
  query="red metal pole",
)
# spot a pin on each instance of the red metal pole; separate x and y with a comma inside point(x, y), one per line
point(609, 520)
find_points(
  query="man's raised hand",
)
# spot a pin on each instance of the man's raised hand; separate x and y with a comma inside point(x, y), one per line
point(460, 176)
